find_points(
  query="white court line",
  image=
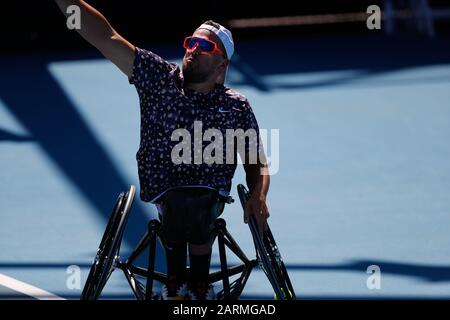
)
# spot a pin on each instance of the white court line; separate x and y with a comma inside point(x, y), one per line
point(27, 289)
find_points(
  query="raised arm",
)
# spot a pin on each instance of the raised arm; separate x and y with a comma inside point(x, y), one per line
point(97, 31)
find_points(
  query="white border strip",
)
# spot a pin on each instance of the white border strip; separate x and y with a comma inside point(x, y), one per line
point(27, 289)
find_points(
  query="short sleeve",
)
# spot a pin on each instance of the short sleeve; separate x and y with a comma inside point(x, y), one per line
point(148, 69)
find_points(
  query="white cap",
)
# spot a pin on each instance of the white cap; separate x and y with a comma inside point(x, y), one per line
point(224, 35)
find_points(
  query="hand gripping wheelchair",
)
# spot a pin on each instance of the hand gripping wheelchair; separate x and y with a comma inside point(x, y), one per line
point(107, 259)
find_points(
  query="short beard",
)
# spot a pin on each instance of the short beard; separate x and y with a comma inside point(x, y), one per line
point(194, 76)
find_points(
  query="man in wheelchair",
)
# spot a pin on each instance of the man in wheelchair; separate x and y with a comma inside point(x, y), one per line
point(188, 204)
point(185, 187)
point(174, 99)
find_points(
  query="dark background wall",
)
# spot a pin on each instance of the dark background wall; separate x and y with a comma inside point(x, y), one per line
point(39, 25)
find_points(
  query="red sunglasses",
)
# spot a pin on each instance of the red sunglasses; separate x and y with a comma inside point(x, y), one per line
point(205, 45)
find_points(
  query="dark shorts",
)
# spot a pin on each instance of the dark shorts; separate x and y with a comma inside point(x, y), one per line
point(188, 214)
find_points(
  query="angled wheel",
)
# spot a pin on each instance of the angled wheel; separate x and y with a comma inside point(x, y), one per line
point(109, 247)
point(268, 255)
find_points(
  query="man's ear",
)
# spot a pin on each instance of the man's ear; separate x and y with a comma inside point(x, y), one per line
point(222, 68)
point(223, 65)
point(221, 78)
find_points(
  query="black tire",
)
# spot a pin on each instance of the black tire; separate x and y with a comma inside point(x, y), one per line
point(99, 260)
point(109, 247)
point(268, 255)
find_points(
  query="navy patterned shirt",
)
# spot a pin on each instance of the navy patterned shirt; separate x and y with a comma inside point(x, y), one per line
point(165, 105)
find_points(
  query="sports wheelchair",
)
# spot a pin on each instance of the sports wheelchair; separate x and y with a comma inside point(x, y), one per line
point(107, 259)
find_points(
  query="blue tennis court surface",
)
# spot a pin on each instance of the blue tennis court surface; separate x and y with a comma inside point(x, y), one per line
point(363, 178)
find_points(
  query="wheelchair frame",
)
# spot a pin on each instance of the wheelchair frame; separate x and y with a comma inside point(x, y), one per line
point(107, 258)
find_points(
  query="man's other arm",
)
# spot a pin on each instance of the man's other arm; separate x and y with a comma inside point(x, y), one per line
point(258, 181)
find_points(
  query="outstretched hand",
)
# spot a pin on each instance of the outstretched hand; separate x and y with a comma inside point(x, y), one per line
point(257, 207)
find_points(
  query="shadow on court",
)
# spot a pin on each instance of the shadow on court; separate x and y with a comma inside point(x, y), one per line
point(424, 272)
point(12, 137)
point(36, 99)
point(369, 55)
